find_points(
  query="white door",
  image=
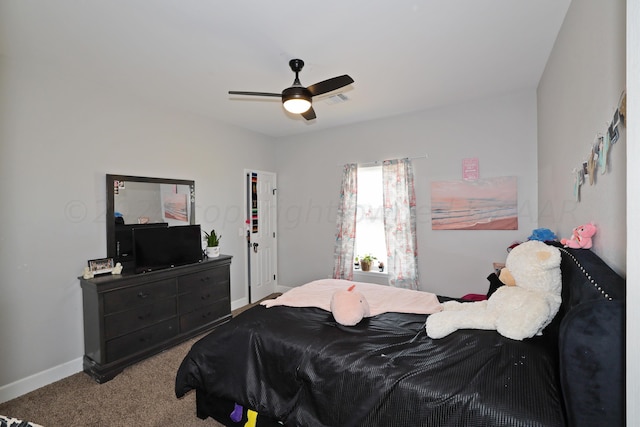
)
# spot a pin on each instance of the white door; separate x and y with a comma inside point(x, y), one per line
point(261, 234)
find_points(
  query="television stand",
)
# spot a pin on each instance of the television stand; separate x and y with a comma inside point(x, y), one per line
point(130, 317)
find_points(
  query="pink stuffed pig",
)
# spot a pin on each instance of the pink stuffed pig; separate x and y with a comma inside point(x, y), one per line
point(349, 307)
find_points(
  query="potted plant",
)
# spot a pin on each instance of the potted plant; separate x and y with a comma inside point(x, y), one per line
point(365, 262)
point(213, 243)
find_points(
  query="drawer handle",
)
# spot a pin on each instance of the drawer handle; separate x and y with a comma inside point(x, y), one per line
point(142, 295)
point(207, 296)
point(204, 316)
point(144, 316)
point(205, 279)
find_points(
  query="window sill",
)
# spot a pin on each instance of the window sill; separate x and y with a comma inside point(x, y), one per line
point(381, 278)
point(374, 272)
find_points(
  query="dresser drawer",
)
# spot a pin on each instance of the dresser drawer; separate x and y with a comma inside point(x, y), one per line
point(135, 296)
point(205, 315)
point(203, 296)
point(129, 317)
point(141, 340)
point(137, 318)
point(195, 281)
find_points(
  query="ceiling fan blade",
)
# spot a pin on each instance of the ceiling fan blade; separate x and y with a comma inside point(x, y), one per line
point(310, 114)
point(235, 92)
point(330, 85)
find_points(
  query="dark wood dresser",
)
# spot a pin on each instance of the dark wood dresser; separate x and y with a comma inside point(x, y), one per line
point(128, 318)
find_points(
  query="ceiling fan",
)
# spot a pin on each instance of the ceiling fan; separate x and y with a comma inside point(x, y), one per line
point(297, 98)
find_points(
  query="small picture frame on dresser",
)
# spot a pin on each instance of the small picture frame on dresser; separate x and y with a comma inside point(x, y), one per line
point(101, 266)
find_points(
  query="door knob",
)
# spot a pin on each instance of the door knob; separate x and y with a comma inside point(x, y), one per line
point(255, 247)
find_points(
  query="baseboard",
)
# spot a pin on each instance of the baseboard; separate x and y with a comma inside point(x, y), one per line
point(51, 375)
point(282, 289)
point(239, 303)
point(41, 379)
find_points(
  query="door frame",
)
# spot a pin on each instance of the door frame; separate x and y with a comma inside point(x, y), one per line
point(247, 230)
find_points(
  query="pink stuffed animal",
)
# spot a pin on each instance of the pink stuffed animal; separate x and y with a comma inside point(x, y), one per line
point(349, 307)
point(581, 238)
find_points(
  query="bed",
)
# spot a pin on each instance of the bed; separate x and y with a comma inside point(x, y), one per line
point(296, 366)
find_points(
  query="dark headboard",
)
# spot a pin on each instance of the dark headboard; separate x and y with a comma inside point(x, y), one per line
point(591, 340)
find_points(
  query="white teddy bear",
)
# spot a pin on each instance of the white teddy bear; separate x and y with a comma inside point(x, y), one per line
point(519, 310)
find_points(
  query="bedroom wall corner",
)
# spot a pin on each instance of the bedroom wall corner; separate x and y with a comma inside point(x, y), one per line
point(577, 96)
point(61, 134)
point(499, 130)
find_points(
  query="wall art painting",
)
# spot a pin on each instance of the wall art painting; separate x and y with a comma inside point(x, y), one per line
point(484, 204)
point(175, 206)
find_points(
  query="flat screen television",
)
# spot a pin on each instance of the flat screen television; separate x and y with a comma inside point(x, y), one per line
point(164, 247)
point(124, 243)
point(124, 239)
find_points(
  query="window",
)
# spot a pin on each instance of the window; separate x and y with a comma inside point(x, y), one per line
point(370, 237)
point(358, 211)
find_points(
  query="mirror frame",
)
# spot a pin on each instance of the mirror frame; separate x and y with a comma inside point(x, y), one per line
point(110, 215)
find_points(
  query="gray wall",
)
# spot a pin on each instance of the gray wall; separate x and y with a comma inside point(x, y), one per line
point(577, 95)
point(60, 136)
point(500, 131)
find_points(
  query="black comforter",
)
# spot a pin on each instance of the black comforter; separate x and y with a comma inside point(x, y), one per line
point(299, 366)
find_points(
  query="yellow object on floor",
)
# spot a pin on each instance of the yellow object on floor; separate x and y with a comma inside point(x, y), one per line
point(252, 416)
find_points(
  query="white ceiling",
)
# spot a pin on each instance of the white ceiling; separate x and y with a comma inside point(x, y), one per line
point(403, 55)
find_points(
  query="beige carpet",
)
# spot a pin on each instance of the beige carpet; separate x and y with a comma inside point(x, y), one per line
point(142, 395)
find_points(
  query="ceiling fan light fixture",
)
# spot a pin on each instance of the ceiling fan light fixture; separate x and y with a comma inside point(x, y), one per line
point(296, 100)
point(297, 106)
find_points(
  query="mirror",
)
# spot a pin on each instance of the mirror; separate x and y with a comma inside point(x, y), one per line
point(135, 201)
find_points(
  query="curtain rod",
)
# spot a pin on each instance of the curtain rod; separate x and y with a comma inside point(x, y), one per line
point(377, 162)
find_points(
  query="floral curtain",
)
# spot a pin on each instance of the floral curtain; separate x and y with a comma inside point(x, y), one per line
point(346, 224)
point(399, 202)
